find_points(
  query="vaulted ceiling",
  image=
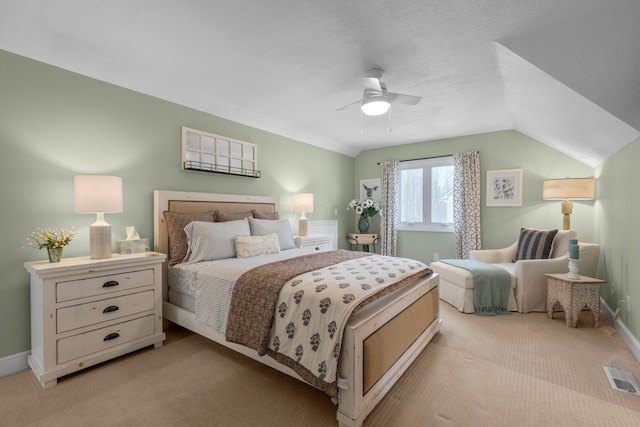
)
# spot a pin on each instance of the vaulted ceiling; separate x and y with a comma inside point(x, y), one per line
point(565, 72)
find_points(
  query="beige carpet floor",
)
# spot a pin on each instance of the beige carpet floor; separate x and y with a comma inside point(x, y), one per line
point(509, 370)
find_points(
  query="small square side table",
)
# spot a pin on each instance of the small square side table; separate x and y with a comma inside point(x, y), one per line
point(362, 240)
point(573, 295)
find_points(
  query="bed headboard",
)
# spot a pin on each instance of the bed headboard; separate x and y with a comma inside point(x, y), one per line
point(190, 202)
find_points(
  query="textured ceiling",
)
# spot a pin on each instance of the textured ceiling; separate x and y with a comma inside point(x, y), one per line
point(566, 73)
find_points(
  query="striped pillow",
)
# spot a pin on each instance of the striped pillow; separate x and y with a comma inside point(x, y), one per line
point(535, 244)
point(260, 227)
point(209, 241)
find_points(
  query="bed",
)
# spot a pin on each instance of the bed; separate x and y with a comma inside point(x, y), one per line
point(379, 341)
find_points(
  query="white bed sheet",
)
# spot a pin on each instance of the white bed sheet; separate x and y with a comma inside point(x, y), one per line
point(211, 283)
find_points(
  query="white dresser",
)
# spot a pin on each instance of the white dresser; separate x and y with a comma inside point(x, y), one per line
point(86, 311)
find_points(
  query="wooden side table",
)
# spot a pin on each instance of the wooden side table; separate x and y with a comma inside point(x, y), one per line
point(573, 295)
point(362, 240)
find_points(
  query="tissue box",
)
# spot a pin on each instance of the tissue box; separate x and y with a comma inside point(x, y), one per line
point(132, 246)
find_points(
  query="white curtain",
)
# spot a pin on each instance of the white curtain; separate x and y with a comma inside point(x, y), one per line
point(466, 202)
point(389, 193)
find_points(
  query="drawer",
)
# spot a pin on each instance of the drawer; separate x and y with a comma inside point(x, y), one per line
point(77, 316)
point(98, 285)
point(323, 246)
point(104, 338)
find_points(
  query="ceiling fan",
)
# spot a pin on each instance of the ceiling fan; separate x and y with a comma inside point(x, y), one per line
point(376, 100)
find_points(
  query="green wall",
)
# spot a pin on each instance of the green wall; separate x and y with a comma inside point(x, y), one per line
point(55, 124)
point(617, 211)
point(500, 226)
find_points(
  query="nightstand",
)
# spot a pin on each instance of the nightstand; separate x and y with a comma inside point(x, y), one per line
point(316, 242)
point(86, 311)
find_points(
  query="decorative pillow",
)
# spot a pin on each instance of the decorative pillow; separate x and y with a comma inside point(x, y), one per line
point(260, 227)
point(534, 244)
point(226, 216)
point(176, 222)
point(209, 241)
point(266, 215)
point(249, 246)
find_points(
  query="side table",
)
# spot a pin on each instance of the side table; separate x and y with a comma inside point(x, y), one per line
point(362, 240)
point(86, 311)
point(573, 295)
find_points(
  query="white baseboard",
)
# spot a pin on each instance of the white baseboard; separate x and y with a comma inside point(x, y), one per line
point(628, 338)
point(14, 363)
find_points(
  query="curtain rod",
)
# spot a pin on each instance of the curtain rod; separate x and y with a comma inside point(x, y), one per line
point(424, 158)
point(427, 158)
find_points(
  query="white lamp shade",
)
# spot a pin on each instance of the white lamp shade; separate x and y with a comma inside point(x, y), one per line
point(375, 105)
point(569, 189)
point(303, 202)
point(97, 193)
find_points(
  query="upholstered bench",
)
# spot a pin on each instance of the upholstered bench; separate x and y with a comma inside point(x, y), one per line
point(456, 287)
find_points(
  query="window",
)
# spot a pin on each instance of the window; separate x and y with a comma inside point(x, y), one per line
point(426, 194)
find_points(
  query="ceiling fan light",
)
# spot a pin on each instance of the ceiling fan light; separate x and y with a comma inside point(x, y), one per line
point(375, 105)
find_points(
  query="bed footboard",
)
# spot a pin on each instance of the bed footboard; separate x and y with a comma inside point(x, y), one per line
point(380, 342)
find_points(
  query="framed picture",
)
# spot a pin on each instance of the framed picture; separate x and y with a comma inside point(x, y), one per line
point(370, 189)
point(504, 187)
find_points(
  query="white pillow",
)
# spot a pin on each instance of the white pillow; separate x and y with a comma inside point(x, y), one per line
point(208, 241)
point(260, 227)
point(249, 246)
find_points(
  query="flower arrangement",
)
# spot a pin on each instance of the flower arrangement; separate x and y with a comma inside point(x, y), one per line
point(365, 208)
point(50, 238)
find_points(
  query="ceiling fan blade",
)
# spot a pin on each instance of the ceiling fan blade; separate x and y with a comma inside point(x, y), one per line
point(372, 84)
point(359, 101)
point(404, 99)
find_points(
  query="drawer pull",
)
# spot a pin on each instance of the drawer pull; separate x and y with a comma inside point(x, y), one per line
point(110, 284)
point(111, 309)
point(111, 336)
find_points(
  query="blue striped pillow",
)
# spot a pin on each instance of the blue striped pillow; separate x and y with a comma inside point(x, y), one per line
point(208, 241)
point(535, 244)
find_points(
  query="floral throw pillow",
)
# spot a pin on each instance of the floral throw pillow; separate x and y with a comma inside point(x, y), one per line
point(250, 246)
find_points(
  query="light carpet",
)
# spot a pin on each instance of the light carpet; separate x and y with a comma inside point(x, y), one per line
point(515, 369)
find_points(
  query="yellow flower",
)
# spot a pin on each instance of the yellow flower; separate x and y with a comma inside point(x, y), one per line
point(51, 238)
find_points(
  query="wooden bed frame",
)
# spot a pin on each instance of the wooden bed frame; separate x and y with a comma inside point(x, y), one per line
point(379, 343)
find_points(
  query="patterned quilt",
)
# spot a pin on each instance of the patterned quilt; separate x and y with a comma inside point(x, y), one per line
point(296, 311)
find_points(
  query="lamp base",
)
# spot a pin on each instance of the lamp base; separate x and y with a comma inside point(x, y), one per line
point(567, 210)
point(302, 227)
point(100, 241)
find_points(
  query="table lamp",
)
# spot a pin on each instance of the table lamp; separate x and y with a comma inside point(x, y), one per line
point(302, 202)
point(98, 194)
point(568, 189)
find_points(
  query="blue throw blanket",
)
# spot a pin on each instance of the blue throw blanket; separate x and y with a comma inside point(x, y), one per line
point(490, 285)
